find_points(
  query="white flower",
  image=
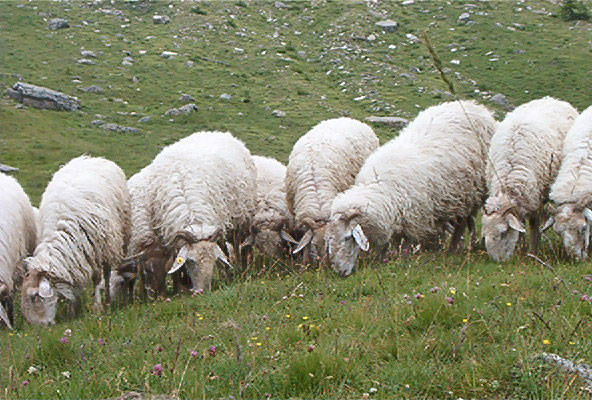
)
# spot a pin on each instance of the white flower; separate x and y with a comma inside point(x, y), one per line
point(32, 370)
point(66, 374)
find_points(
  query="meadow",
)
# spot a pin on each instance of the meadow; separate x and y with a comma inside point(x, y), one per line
point(425, 325)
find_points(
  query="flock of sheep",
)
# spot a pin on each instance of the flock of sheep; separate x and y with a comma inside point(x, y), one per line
point(205, 199)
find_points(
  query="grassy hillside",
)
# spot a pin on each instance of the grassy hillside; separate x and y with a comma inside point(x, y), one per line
point(414, 326)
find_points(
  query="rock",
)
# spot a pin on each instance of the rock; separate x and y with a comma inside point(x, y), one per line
point(281, 5)
point(464, 17)
point(278, 113)
point(186, 109)
point(97, 122)
point(88, 54)
point(407, 2)
point(500, 99)
point(519, 51)
point(189, 64)
point(225, 96)
point(394, 122)
point(409, 76)
point(128, 61)
point(7, 168)
point(119, 128)
point(301, 53)
point(147, 118)
point(388, 25)
point(371, 37)
point(168, 54)
point(161, 19)
point(186, 98)
point(58, 23)
point(92, 89)
point(412, 38)
point(44, 98)
point(86, 61)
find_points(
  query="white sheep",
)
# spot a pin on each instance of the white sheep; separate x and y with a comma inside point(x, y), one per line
point(273, 221)
point(431, 175)
point(323, 163)
point(202, 190)
point(523, 161)
point(18, 235)
point(84, 229)
point(572, 190)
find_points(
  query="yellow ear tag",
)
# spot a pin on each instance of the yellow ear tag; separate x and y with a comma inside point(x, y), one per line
point(180, 260)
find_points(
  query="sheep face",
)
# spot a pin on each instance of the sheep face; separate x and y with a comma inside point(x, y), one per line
point(501, 233)
point(344, 240)
point(199, 259)
point(270, 243)
point(574, 227)
point(38, 299)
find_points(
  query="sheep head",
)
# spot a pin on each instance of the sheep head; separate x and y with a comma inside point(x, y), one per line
point(198, 255)
point(313, 240)
point(271, 241)
point(501, 230)
point(151, 263)
point(39, 298)
point(345, 238)
point(573, 225)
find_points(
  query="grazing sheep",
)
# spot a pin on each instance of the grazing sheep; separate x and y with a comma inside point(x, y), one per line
point(572, 190)
point(323, 163)
point(202, 190)
point(18, 235)
point(431, 175)
point(272, 221)
point(524, 158)
point(84, 230)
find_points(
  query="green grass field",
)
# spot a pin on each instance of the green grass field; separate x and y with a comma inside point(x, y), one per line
point(421, 326)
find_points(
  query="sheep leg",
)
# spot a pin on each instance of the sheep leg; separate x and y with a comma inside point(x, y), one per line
point(472, 229)
point(457, 236)
point(106, 279)
point(533, 222)
point(8, 305)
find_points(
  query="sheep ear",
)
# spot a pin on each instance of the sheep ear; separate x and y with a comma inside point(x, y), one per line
point(180, 259)
point(45, 289)
point(220, 256)
point(588, 215)
point(4, 317)
point(230, 251)
point(306, 239)
point(547, 224)
point(515, 223)
point(287, 237)
point(360, 238)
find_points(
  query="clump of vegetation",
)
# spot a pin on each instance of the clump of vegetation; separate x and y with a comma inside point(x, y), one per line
point(574, 10)
point(198, 10)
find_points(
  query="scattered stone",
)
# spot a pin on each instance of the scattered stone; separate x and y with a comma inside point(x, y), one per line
point(147, 118)
point(7, 168)
point(186, 98)
point(388, 25)
point(455, 62)
point(464, 17)
point(500, 99)
point(238, 50)
point(371, 37)
point(44, 98)
point(301, 53)
point(409, 76)
point(97, 122)
point(519, 51)
point(128, 61)
point(161, 19)
point(92, 89)
point(412, 38)
point(279, 4)
point(88, 54)
point(394, 122)
point(86, 61)
point(135, 79)
point(189, 64)
point(119, 128)
point(408, 2)
point(168, 54)
point(186, 109)
point(278, 113)
point(58, 23)
point(225, 96)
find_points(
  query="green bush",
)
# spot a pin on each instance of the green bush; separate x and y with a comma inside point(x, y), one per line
point(573, 10)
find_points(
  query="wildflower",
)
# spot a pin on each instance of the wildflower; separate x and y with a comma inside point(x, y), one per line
point(213, 350)
point(588, 278)
point(419, 296)
point(267, 328)
point(585, 297)
point(546, 341)
point(32, 370)
point(101, 342)
point(66, 374)
point(385, 260)
point(305, 318)
point(572, 343)
point(311, 348)
point(288, 315)
point(365, 396)
point(435, 289)
point(159, 348)
point(68, 332)
point(168, 299)
point(465, 320)
point(373, 390)
point(65, 340)
point(26, 383)
point(450, 299)
point(343, 302)
point(452, 290)
point(194, 353)
point(509, 304)
point(254, 338)
point(157, 370)
point(258, 344)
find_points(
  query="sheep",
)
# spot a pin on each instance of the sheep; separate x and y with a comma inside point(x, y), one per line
point(272, 222)
point(431, 175)
point(84, 229)
point(18, 236)
point(323, 163)
point(572, 190)
point(202, 190)
point(524, 159)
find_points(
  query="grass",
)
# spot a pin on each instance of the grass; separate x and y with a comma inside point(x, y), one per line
point(367, 331)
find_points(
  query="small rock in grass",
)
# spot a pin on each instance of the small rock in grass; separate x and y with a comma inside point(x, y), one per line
point(161, 19)
point(388, 25)
point(186, 109)
point(278, 113)
point(58, 23)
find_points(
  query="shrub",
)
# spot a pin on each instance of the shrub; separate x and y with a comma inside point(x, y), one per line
point(573, 10)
